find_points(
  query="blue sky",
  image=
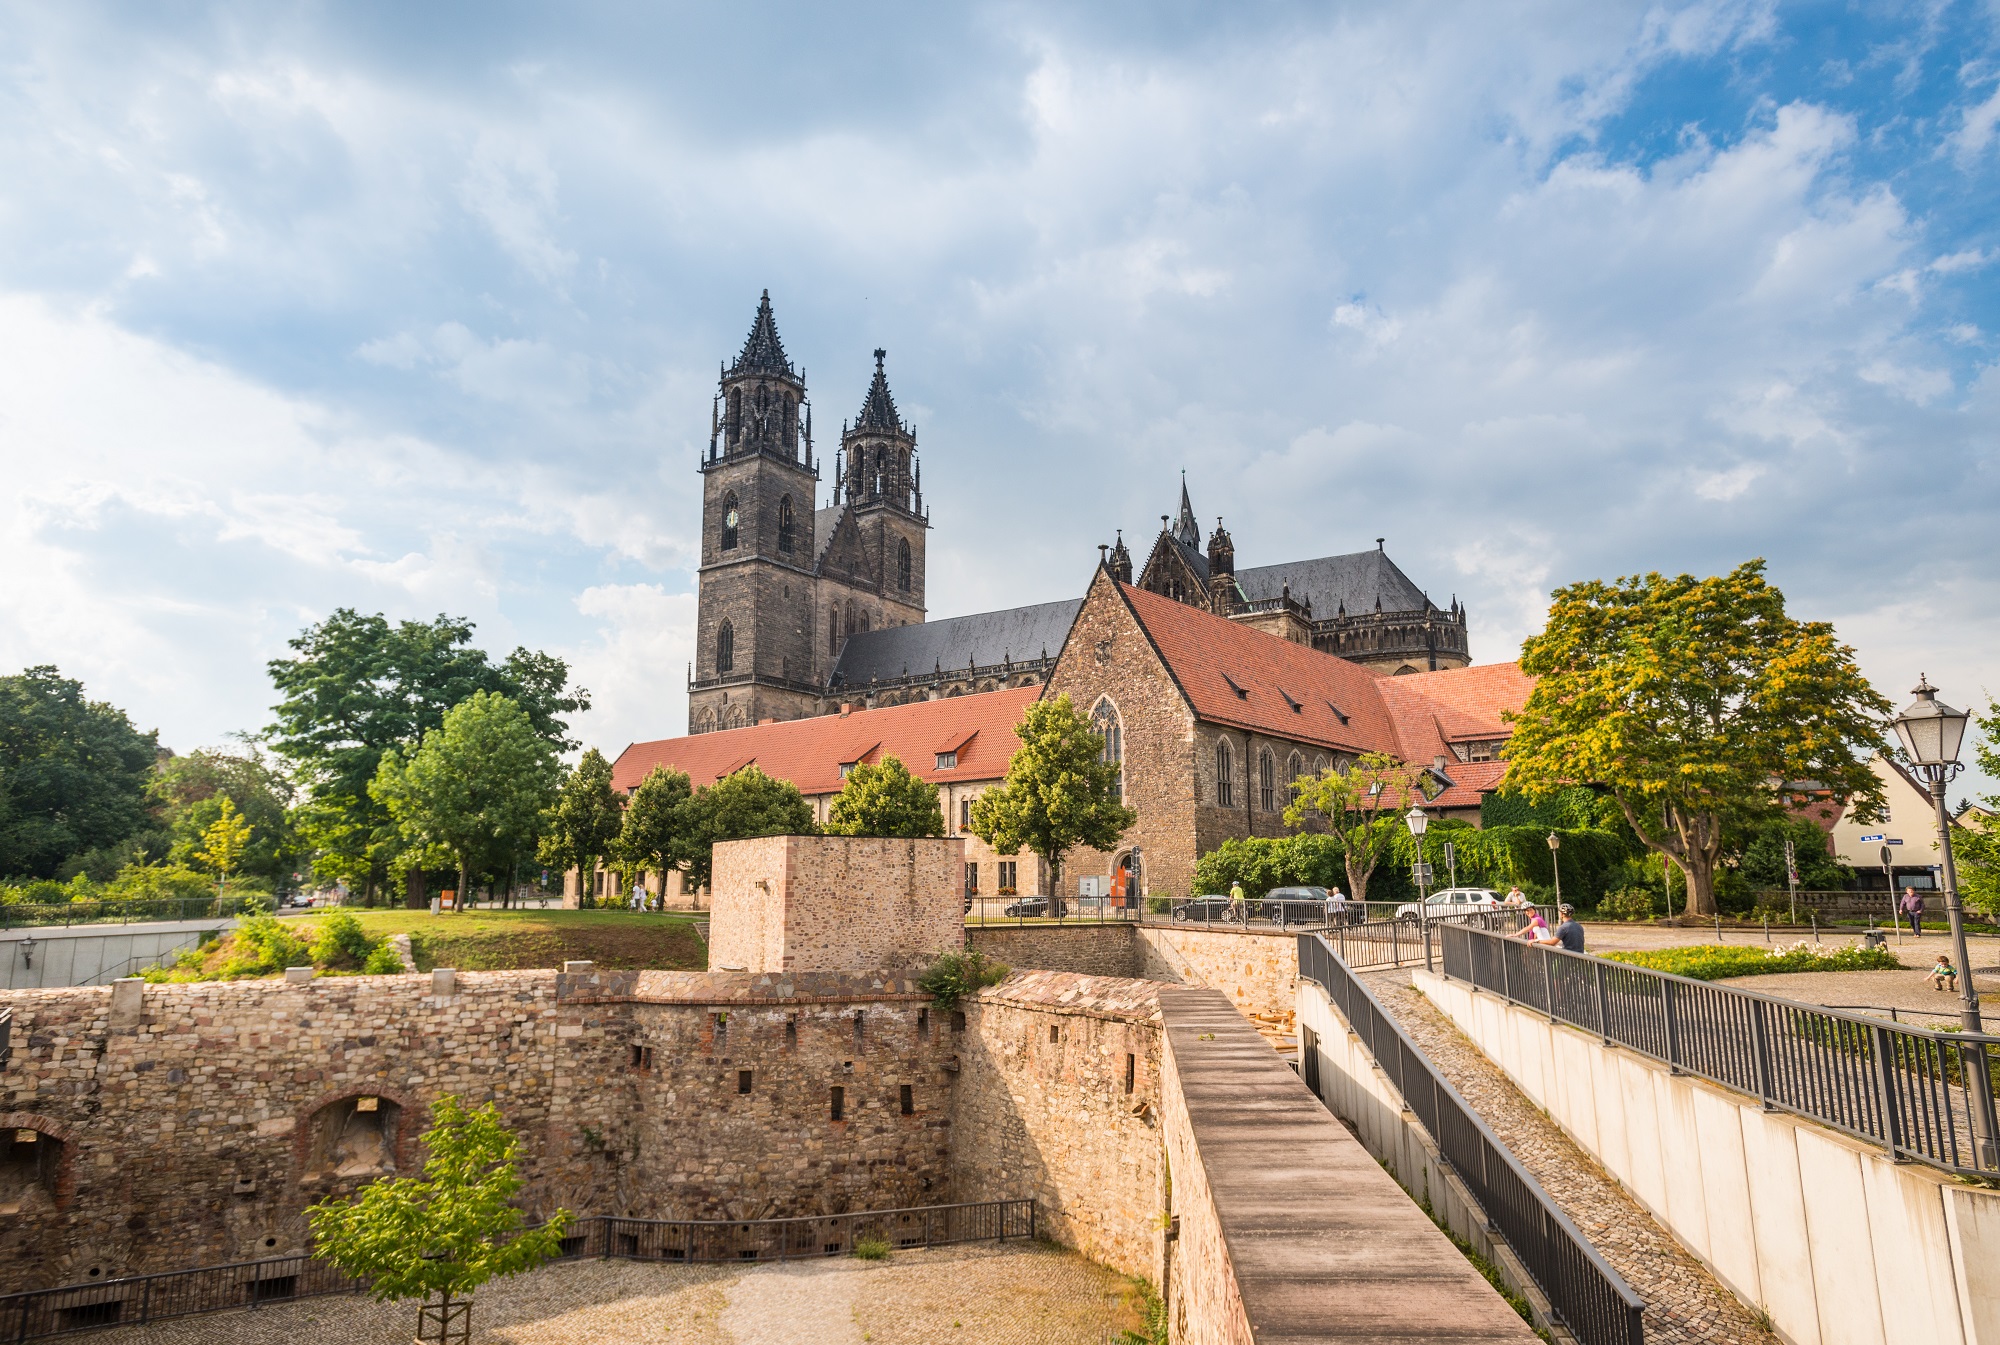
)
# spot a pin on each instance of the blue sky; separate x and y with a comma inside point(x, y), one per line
point(418, 309)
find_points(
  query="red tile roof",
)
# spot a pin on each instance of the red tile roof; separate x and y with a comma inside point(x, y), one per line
point(810, 752)
point(1237, 675)
point(1435, 709)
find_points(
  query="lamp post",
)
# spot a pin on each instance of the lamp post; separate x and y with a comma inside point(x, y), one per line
point(1417, 821)
point(1555, 846)
point(1931, 732)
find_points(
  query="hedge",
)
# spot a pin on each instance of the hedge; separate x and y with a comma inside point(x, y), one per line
point(1496, 857)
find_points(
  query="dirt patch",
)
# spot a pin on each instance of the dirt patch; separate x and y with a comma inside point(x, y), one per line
point(669, 946)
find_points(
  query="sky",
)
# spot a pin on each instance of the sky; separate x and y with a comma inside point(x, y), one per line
point(419, 308)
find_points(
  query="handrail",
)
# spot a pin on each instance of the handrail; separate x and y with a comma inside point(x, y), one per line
point(1592, 1299)
point(38, 1314)
point(121, 911)
point(1906, 1088)
point(1391, 943)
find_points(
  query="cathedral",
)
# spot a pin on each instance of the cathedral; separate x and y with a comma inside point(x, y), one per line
point(803, 609)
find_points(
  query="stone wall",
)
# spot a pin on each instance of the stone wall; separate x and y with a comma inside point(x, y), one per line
point(1059, 1097)
point(834, 903)
point(1091, 950)
point(1257, 969)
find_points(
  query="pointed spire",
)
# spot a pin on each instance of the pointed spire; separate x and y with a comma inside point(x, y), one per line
point(1186, 531)
point(878, 411)
point(763, 352)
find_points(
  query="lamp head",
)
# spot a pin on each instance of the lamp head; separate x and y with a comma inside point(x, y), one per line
point(1930, 730)
point(1555, 841)
point(1416, 820)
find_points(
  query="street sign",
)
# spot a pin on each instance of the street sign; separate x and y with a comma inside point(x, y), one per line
point(1420, 873)
point(1450, 855)
point(1866, 839)
point(1892, 841)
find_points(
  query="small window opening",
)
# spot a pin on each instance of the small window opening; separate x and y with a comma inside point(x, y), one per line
point(909, 1101)
point(721, 1033)
point(1131, 1070)
point(958, 1020)
point(923, 1024)
point(839, 1103)
point(1052, 1036)
point(743, 1081)
point(791, 1032)
point(860, 1034)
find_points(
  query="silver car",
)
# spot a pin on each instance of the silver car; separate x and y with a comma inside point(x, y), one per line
point(1451, 901)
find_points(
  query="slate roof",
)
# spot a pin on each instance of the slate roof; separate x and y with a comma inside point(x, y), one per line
point(824, 522)
point(1237, 675)
point(1356, 580)
point(762, 350)
point(878, 409)
point(1019, 633)
point(810, 752)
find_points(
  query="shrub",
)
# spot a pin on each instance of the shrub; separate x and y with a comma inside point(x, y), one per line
point(953, 976)
point(1631, 903)
point(1160, 905)
point(341, 944)
point(1715, 962)
point(159, 882)
point(262, 946)
point(871, 1248)
point(382, 961)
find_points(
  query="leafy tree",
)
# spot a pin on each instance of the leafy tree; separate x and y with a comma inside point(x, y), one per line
point(585, 823)
point(224, 841)
point(440, 1237)
point(476, 789)
point(737, 807)
point(189, 792)
point(1762, 863)
point(73, 773)
point(1975, 845)
point(1687, 699)
point(885, 800)
point(357, 687)
point(1060, 792)
point(1360, 806)
point(658, 830)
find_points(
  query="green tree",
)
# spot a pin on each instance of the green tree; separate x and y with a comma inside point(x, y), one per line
point(658, 830)
point(1976, 843)
point(737, 807)
point(476, 789)
point(1060, 792)
point(73, 774)
point(1687, 699)
point(357, 687)
point(885, 800)
point(1360, 806)
point(439, 1237)
point(224, 841)
point(1762, 862)
point(584, 825)
point(189, 792)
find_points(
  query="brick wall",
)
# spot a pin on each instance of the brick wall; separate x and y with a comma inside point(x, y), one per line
point(1043, 1108)
point(826, 903)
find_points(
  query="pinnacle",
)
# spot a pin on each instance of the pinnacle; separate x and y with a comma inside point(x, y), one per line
point(878, 409)
point(762, 352)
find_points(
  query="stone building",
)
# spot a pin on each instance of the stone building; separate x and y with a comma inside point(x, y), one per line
point(802, 609)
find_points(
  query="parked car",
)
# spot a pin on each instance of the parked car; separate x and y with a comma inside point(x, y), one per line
point(1451, 901)
point(1292, 905)
point(1029, 906)
point(1203, 910)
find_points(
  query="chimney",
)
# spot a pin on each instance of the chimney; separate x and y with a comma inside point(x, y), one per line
point(1437, 763)
point(846, 709)
point(767, 719)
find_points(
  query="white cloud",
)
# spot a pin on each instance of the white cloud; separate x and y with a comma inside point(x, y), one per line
point(635, 664)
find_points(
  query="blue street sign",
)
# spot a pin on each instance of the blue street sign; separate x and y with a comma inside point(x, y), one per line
point(1866, 839)
point(1892, 841)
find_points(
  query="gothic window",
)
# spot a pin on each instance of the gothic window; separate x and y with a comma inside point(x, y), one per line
point(785, 525)
point(735, 416)
point(1267, 781)
point(353, 1137)
point(864, 623)
point(1295, 770)
point(730, 520)
point(903, 564)
point(853, 619)
point(1319, 766)
point(833, 631)
point(1224, 786)
point(725, 648)
point(875, 486)
point(1105, 720)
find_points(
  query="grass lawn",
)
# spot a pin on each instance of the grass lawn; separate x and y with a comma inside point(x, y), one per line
point(482, 940)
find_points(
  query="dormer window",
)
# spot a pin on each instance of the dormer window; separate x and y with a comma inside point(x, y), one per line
point(1242, 693)
point(947, 761)
point(847, 769)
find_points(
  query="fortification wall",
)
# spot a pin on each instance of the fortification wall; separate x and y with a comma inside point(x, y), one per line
point(1088, 950)
point(1257, 969)
point(834, 903)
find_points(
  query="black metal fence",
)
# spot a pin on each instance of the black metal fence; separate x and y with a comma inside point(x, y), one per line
point(41, 1313)
point(1921, 1094)
point(1590, 1298)
point(1392, 942)
point(138, 910)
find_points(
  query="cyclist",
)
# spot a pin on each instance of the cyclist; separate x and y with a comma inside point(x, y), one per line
point(1238, 911)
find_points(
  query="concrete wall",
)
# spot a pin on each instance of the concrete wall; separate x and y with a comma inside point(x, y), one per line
point(93, 954)
point(834, 903)
point(1838, 1244)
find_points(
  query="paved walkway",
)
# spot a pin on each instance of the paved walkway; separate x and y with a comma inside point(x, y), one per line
point(1683, 1302)
point(1907, 990)
point(1016, 1295)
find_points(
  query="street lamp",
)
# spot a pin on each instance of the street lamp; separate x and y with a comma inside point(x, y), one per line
point(1931, 732)
point(1555, 846)
point(1417, 821)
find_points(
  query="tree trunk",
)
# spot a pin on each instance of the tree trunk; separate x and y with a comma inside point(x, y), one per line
point(1693, 841)
point(458, 902)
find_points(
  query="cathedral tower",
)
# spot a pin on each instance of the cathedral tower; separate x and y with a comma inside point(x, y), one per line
point(881, 484)
point(754, 615)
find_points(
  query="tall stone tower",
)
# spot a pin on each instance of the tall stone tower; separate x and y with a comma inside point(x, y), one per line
point(755, 612)
point(882, 486)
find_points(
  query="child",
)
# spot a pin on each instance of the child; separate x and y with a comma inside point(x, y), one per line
point(1944, 976)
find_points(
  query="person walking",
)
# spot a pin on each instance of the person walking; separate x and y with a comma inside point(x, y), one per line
point(1236, 904)
point(1944, 976)
point(1336, 907)
point(1913, 906)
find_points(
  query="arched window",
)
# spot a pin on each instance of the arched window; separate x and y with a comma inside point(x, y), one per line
point(1295, 769)
point(1319, 766)
point(875, 484)
point(730, 520)
point(903, 564)
point(785, 525)
point(833, 630)
point(1267, 781)
point(735, 416)
point(725, 648)
point(864, 623)
point(1105, 720)
point(1225, 791)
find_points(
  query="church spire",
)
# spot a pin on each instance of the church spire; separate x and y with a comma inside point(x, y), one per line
point(1186, 531)
point(878, 409)
point(762, 352)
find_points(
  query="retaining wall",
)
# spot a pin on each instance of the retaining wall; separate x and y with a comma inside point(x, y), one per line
point(35, 958)
point(1827, 1235)
point(1257, 969)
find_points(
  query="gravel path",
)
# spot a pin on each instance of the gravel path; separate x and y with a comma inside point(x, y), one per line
point(1908, 989)
point(1014, 1295)
point(1683, 1302)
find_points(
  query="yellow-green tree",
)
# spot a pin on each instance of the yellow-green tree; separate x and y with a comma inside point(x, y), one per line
point(884, 799)
point(224, 841)
point(1693, 701)
point(1361, 805)
point(1060, 792)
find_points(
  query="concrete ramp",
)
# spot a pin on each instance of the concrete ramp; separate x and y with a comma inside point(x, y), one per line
point(1289, 1231)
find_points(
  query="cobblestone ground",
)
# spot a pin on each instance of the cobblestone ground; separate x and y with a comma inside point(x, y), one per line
point(1017, 1295)
point(1683, 1301)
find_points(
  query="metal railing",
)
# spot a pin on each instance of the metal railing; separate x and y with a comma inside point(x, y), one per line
point(1391, 943)
point(6, 1036)
point(1589, 1297)
point(1921, 1094)
point(42, 1313)
point(983, 911)
point(138, 910)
